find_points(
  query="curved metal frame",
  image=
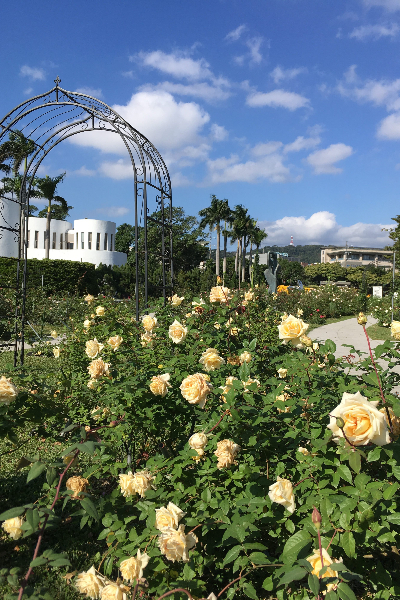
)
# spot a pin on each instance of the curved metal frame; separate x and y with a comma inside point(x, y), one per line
point(49, 119)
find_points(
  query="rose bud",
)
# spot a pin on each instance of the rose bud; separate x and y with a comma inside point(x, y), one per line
point(316, 518)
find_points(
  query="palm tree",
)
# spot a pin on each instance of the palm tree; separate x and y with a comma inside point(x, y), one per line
point(211, 217)
point(257, 235)
point(239, 224)
point(17, 149)
point(47, 188)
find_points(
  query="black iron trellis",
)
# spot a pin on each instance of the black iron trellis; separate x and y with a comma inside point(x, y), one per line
point(53, 117)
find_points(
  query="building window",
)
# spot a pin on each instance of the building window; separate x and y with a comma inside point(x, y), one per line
point(36, 242)
point(61, 241)
point(82, 240)
point(53, 245)
point(105, 241)
point(98, 241)
point(29, 235)
point(368, 257)
point(89, 240)
point(111, 242)
point(353, 257)
point(76, 245)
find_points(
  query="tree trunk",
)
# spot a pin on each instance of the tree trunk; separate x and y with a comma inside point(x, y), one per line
point(240, 259)
point(251, 260)
point(218, 228)
point(224, 259)
point(237, 258)
point(47, 236)
point(244, 259)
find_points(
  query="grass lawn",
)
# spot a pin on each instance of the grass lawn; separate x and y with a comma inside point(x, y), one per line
point(376, 332)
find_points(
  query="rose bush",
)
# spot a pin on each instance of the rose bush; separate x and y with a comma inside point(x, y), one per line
point(234, 518)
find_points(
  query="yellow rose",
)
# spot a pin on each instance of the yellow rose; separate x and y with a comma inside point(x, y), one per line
point(56, 352)
point(315, 562)
point(115, 342)
point(198, 442)
point(53, 334)
point(395, 329)
point(248, 296)
point(299, 312)
point(146, 339)
point(291, 329)
point(93, 348)
point(168, 517)
point(176, 300)
point(233, 360)
point(195, 389)
point(177, 332)
point(114, 591)
point(138, 483)
point(282, 373)
point(361, 319)
point(13, 527)
point(249, 382)
point(282, 493)
point(100, 311)
point(87, 323)
point(303, 451)
point(99, 413)
point(364, 424)
point(245, 357)
point(98, 368)
point(174, 543)
point(228, 386)
point(92, 384)
point(89, 299)
point(132, 568)
point(306, 341)
point(211, 360)
point(77, 485)
point(90, 583)
point(8, 391)
point(226, 452)
point(159, 384)
point(220, 294)
point(395, 421)
point(149, 322)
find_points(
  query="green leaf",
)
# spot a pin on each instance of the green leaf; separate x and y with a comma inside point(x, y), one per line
point(36, 469)
point(249, 590)
point(293, 575)
point(253, 344)
point(294, 544)
point(374, 454)
point(355, 461)
point(313, 584)
point(396, 472)
point(394, 518)
point(258, 558)
point(11, 513)
point(51, 474)
point(345, 473)
point(38, 562)
point(330, 346)
point(345, 592)
point(87, 447)
point(390, 491)
point(90, 508)
point(348, 543)
point(60, 562)
point(232, 554)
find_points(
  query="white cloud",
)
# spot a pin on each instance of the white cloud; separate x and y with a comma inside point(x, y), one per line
point(322, 228)
point(263, 149)
point(270, 166)
point(94, 92)
point(389, 128)
point(33, 73)
point(120, 169)
point(235, 34)
point(383, 92)
point(28, 91)
point(277, 98)
point(216, 91)
point(279, 74)
point(324, 161)
point(302, 143)
point(83, 172)
point(177, 64)
point(218, 132)
point(113, 211)
point(168, 124)
point(254, 44)
point(390, 5)
point(374, 32)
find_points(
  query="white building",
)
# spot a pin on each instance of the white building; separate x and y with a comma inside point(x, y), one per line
point(89, 240)
point(354, 256)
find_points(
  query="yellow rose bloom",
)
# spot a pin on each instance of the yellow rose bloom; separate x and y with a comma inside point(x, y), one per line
point(395, 329)
point(100, 311)
point(8, 391)
point(137, 483)
point(132, 568)
point(226, 452)
point(282, 493)
point(220, 294)
point(174, 543)
point(77, 485)
point(93, 348)
point(211, 360)
point(168, 517)
point(195, 389)
point(90, 583)
point(176, 300)
point(149, 322)
point(159, 384)
point(98, 368)
point(177, 332)
point(291, 329)
point(13, 527)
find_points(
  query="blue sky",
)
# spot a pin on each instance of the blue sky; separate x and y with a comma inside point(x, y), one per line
point(290, 107)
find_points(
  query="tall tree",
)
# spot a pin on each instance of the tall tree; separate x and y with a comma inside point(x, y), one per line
point(47, 187)
point(239, 229)
point(211, 217)
point(257, 235)
point(16, 150)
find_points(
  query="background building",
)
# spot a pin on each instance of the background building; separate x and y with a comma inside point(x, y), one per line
point(352, 256)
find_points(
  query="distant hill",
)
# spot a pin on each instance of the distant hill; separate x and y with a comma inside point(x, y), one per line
point(309, 254)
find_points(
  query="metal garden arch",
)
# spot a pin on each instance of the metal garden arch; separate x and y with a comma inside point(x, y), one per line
point(52, 117)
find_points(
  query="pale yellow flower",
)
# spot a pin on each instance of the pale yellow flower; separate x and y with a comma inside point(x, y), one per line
point(89, 299)
point(177, 332)
point(98, 368)
point(249, 382)
point(54, 334)
point(361, 319)
point(306, 341)
point(291, 329)
point(13, 527)
point(211, 359)
point(132, 568)
point(395, 329)
point(175, 544)
point(56, 352)
point(77, 484)
point(248, 296)
point(93, 348)
point(115, 342)
point(87, 323)
point(220, 294)
point(99, 413)
point(149, 322)
point(92, 384)
point(282, 373)
point(282, 493)
point(300, 312)
point(195, 389)
point(364, 424)
point(217, 325)
point(315, 562)
point(138, 483)
point(176, 300)
point(168, 517)
point(8, 391)
point(198, 442)
point(245, 357)
point(146, 339)
point(90, 583)
point(100, 311)
point(233, 360)
point(228, 386)
point(226, 452)
point(159, 384)
point(114, 591)
point(303, 451)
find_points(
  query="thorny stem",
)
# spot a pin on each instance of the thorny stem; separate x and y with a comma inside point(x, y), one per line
point(335, 532)
point(174, 591)
point(320, 553)
point(216, 425)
